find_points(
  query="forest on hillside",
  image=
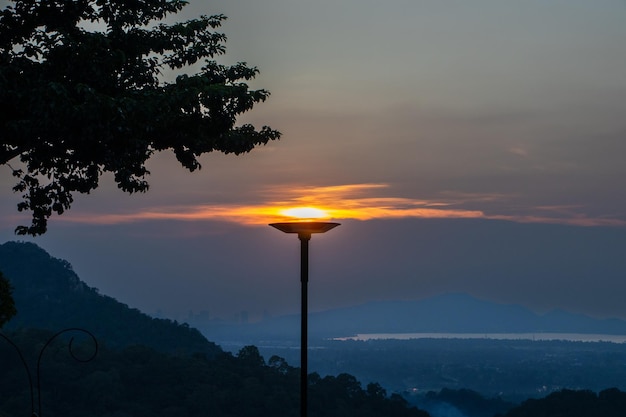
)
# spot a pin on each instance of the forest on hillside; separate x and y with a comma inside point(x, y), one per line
point(140, 381)
point(49, 295)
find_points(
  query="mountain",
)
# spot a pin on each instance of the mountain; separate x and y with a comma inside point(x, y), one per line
point(49, 295)
point(446, 313)
point(457, 313)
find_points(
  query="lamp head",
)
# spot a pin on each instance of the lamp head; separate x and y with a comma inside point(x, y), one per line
point(304, 229)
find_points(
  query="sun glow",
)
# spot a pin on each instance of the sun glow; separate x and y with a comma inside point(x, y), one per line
point(305, 213)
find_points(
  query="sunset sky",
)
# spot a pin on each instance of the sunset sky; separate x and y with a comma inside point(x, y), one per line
point(465, 146)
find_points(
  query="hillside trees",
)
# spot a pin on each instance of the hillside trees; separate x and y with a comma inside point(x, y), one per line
point(53, 297)
point(84, 91)
point(7, 304)
point(140, 381)
point(573, 403)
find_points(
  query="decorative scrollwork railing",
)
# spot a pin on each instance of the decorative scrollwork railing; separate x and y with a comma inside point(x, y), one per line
point(41, 352)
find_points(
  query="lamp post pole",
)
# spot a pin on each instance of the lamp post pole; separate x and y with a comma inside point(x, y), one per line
point(304, 323)
point(304, 231)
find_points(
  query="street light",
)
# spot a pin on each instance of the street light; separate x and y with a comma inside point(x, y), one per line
point(304, 231)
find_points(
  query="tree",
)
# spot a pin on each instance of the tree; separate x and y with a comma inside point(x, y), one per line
point(84, 91)
point(250, 356)
point(7, 305)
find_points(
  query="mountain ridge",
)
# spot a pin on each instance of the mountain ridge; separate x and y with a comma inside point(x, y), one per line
point(463, 313)
point(444, 313)
point(49, 295)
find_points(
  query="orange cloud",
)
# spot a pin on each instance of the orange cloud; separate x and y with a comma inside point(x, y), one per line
point(352, 201)
point(335, 202)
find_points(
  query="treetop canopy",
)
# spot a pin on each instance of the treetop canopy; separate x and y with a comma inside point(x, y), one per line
point(82, 93)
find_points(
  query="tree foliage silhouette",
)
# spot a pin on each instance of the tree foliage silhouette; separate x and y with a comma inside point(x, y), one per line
point(573, 403)
point(7, 305)
point(139, 381)
point(84, 90)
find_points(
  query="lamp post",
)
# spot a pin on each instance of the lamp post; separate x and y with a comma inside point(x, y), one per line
point(304, 231)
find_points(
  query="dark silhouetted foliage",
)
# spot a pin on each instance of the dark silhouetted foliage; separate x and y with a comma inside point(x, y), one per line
point(139, 381)
point(7, 305)
point(571, 403)
point(84, 90)
point(342, 395)
point(468, 402)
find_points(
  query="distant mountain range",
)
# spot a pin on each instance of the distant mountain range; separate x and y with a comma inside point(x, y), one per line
point(457, 313)
point(49, 295)
point(447, 313)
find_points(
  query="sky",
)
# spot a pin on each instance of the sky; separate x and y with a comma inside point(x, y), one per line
point(464, 146)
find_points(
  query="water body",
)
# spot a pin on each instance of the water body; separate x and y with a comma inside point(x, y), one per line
point(570, 337)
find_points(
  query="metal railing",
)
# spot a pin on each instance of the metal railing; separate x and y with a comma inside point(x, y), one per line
point(41, 352)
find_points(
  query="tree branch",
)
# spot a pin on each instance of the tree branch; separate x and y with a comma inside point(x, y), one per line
point(8, 155)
